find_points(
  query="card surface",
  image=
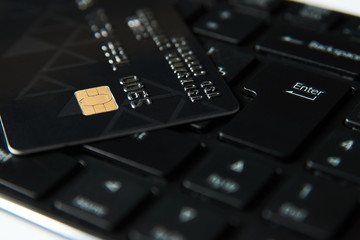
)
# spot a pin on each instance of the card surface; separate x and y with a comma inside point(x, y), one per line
point(79, 71)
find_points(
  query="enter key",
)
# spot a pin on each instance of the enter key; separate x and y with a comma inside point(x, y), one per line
point(289, 104)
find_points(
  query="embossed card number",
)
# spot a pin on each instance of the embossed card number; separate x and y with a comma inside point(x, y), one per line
point(136, 91)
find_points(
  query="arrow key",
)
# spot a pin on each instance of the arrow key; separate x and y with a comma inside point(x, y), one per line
point(338, 155)
point(174, 218)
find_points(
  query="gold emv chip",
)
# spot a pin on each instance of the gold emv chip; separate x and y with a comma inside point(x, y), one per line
point(96, 100)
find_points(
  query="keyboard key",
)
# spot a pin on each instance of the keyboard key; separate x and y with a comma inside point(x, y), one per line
point(353, 28)
point(232, 177)
point(338, 155)
point(311, 17)
point(103, 196)
point(146, 151)
point(220, 24)
point(187, 8)
point(353, 120)
point(201, 126)
point(331, 52)
point(179, 219)
point(262, 8)
point(230, 59)
point(35, 175)
point(284, 112)
point(312, 206)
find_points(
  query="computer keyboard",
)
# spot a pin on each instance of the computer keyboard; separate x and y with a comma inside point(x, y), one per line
point(283, 167)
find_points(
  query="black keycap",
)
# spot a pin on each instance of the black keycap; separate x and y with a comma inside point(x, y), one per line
point(261, 8)
point(311, 206)
point(232, 177)
point(353, 120)
point(353, 28)
point(187, 8)
point(222, 24)
point(35, 175)
point(312, 17)
point(103, 196)
point(331, 52)
point(179, 219)
point(285, 111)
point(201, 126)
point(230, 59)
point(156, 152)
point(339, 155)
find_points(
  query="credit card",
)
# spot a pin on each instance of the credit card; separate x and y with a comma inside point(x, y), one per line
point(84, 70)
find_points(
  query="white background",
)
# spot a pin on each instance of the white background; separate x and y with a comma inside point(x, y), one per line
point(347, 6)
point(11, 227)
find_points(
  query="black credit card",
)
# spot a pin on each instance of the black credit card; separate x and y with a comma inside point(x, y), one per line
point(79, 71)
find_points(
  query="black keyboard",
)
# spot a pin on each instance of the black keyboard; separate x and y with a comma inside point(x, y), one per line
point(285, 166)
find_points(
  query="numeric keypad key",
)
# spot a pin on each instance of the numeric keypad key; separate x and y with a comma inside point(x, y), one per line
point(311, 206)
point(231, 177)
point(338, 155)
point(178, 219)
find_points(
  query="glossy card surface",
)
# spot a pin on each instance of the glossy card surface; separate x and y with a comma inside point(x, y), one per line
point(74, 72)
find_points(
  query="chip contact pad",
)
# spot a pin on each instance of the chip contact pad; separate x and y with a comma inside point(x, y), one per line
point(96, 100)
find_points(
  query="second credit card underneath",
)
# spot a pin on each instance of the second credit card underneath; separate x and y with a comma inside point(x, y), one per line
point(90, 71)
